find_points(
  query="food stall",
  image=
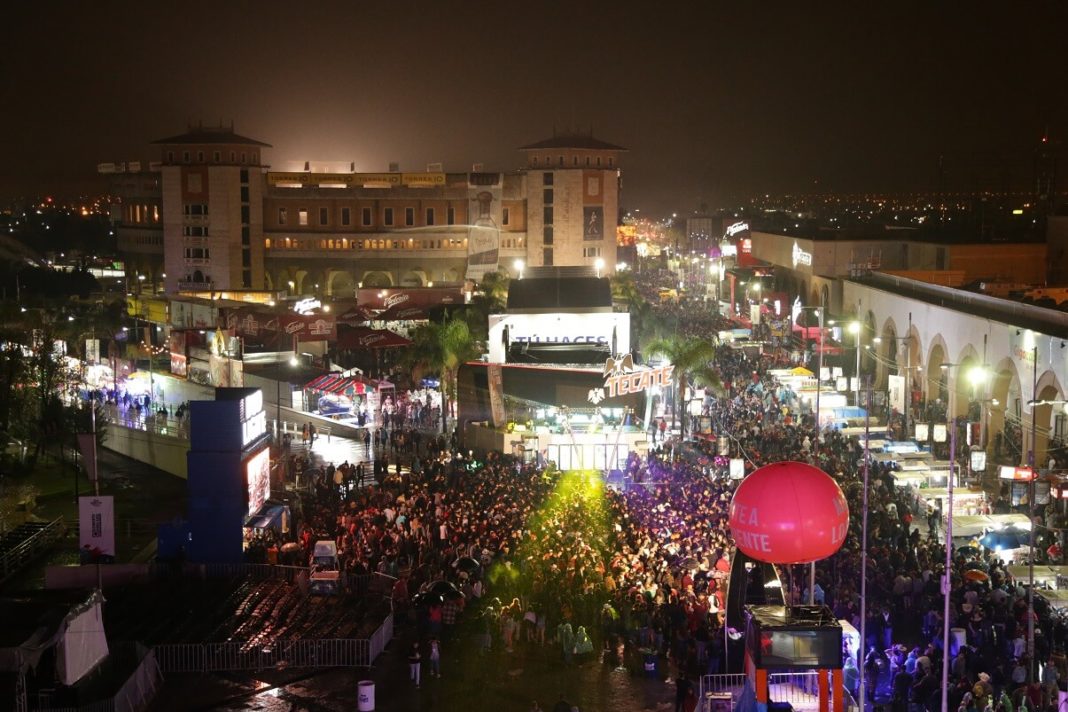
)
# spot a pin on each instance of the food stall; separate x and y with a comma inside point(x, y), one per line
point(1052, 577)
point(965, 501)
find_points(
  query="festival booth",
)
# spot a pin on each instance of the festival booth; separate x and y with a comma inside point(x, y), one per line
point(1049, 577)
point(352, 398)
point(970, 526)
point(965, 501)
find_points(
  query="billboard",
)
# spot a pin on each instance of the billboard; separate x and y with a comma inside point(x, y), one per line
point(593, 222)
point(96, 526)
point(611, 329)
point(258, 476)
point(483, 238)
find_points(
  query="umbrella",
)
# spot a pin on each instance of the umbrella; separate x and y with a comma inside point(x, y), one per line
point(468, 564)
point(446, 589)
point(976, 575)
point(1004, 539)
point(425, 600)
point(968, 550)
point(688, 563)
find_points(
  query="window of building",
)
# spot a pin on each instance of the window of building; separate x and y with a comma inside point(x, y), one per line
point(547, 234)
point(430, 216)
point(200, 156)
point(244, 171)
point(598, 161)
point(547, 196)
point(246, 257)
point(217, 157)
point(170, 156)
point(366, 217)
point(194, 209)
point(534, 160)
point(185, 156)
point(387, 216)
point(346, 216)
point(283, 214)
point(324, 216)
point(610, 159)
point(560, 161)
point(244, 194)
point(246, 235)
point(450, 215)
point(409, 216)
point(194, 231)
point(255, 156)
point(547, 257)
point(547, 178)
point(155, 213)
point(574, 160)
point(267, 243)
point(233, 157)
point(245, 214)
point(246, 278)
point(505, 215)
point(302, 216)
point(587, 161)
point(197, 253)
point(591, 251)
point(243, 157)
point(547, 215)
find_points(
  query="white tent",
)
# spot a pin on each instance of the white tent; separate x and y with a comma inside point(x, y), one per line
point(74, 629)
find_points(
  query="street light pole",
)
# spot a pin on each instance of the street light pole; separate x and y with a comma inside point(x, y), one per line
point(1031, 516)
point(864, 555)
point(947, 578)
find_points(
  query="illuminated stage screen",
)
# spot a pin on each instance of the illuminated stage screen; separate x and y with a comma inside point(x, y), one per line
point(258, 475)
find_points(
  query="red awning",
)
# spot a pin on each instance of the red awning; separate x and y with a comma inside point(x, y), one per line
point(336, 383)
point(403, 312)
point(354, 316)
point(361, 337)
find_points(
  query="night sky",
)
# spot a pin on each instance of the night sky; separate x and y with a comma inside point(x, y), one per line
point(717, 101)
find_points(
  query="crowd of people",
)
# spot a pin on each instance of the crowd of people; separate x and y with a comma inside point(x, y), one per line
point(531, 560)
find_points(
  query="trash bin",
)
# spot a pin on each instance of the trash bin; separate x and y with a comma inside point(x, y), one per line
point(366, 696)
point(650, 663)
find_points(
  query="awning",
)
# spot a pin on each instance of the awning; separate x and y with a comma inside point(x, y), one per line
point(363, 338)
point(354, 316)
point(403, 312)
point(801, 371)
point(336, 383)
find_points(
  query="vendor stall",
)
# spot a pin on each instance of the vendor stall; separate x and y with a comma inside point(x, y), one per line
point(970, 526)
point(965, 501)
point(1045, 576)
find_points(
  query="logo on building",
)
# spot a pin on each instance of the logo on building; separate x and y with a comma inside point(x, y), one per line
point(622, 378)
point(801, 257)
point(394, 299)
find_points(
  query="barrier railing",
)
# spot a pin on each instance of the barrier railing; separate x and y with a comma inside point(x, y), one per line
point(12, 560)
point(254, 571)
point(233, 656)
point(800, 689)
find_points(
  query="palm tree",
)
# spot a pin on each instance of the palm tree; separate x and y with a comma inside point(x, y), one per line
point(692, 361)
point(442, 349)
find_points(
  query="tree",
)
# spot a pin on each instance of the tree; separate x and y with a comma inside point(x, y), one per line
point(441, 349)
point(692, 361)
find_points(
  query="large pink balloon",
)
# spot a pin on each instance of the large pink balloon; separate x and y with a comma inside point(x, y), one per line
point(789, 513)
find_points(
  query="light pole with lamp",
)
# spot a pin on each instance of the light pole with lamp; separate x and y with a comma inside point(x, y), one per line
point(599, 265)
point(947, 578)
point(518, 265)
point(854, 328)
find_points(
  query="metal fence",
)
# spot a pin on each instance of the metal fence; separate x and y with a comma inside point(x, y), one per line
point(800, 689)
point(13, 559)
point(257, 572)
point(234, 656)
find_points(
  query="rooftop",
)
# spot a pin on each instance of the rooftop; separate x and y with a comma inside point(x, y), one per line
point(583, 141)
point(212, 134)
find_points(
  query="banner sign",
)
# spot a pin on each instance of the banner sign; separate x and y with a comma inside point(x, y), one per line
point(622, 378)
point(896, 384)
point(496, 393)
point(96, 526)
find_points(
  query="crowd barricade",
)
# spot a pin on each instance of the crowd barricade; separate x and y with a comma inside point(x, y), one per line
point(259, 572)
point(233, 656)
point(800, 689)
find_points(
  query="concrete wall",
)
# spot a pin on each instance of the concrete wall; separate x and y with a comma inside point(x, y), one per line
point(164, 452)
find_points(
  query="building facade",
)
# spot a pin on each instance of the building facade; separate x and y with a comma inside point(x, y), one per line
point(209, 215)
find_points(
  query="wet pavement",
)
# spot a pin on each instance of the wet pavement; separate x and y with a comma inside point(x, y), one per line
point(469, 681)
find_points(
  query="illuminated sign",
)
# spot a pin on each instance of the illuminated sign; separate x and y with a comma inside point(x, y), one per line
point(611, 329)
point(978, 460)
point(621, 379)
point(305, 306)
point(801, 257)
point(1020, 474)
point(253, 418)
point(258, 476)
point(736, 228)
